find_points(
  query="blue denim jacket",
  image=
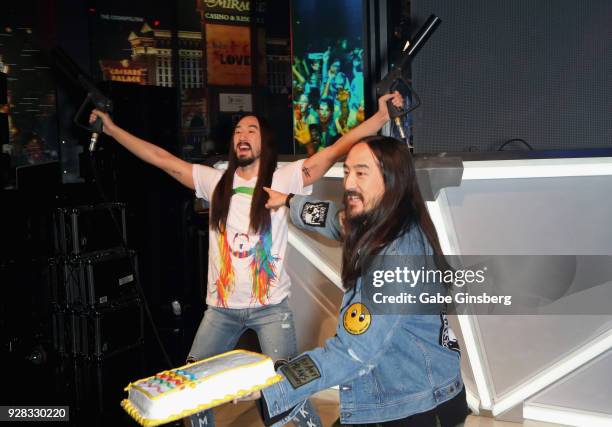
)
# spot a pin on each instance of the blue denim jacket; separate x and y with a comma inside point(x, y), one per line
point(398, 367)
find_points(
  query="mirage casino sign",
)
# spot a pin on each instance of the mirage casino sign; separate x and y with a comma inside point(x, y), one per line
point(227, 11)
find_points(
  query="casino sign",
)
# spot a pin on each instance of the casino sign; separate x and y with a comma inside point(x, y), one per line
point(235, 5)
point(230, 11)
point(124, 71)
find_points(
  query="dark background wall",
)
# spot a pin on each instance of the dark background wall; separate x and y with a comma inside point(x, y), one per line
point(496, 70)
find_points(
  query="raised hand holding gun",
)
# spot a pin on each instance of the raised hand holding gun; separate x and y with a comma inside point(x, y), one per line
point(395, 79)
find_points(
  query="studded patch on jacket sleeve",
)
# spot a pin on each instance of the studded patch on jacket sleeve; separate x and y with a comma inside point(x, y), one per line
point(315, 214)
point(301, 371)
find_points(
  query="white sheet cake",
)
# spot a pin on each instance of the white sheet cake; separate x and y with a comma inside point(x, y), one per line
point(174, 394)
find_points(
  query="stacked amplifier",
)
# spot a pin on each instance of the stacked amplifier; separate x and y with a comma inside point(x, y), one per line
point(97, 311)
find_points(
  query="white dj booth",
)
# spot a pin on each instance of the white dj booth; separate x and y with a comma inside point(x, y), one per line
point(552, 368)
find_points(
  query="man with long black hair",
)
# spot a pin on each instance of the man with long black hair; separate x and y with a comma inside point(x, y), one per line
point(394, 370)
point(248, 286)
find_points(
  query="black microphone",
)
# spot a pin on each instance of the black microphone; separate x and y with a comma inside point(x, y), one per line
point(93, 141)
point(96, 128)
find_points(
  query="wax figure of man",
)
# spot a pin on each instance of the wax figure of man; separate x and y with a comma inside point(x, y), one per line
point(248, 285)
point(393, 369)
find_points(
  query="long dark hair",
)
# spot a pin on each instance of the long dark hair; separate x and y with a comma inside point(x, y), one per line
point(400, 209)
point(259, 215)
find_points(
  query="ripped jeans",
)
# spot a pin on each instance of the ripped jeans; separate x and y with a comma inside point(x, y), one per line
point(221, 328)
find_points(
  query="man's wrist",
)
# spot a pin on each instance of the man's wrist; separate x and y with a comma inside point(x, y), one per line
point(110, 130)
point(288, 199)
point(381, 118)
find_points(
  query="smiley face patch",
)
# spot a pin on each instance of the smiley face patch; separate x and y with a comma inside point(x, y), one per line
point(357, 319)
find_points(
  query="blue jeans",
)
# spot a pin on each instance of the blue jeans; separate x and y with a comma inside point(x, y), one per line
point(220, 330)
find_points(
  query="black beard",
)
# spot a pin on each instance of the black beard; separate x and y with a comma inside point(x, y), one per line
point(245, 161)
point(347, 194)
point(357, 220)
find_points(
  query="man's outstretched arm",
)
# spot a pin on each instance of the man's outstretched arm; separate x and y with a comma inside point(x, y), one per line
point(308, 213)
point(144, 150)
point(316, 166)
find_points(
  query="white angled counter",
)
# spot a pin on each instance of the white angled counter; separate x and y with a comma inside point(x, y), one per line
point(554, 368)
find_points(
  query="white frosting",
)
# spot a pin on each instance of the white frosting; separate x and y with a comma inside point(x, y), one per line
point(214, 379)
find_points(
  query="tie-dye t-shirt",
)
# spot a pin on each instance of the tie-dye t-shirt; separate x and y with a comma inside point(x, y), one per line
point(246, 269)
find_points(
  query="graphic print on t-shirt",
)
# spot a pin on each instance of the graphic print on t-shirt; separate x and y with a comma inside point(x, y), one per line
point(226, 280)
point(262, 266)
point(241, 246)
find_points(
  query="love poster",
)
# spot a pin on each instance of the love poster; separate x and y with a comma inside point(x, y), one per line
point(228, 52)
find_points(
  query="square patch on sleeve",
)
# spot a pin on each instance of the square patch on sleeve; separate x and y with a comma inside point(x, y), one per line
point(315, 214)
point(301, 371)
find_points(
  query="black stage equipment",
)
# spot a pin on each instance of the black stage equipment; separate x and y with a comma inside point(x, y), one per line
point(97, 280)
point(89, 228)
point(106, 331)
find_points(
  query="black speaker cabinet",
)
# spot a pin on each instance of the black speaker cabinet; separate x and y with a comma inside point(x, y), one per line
point(100, 278)
point(105, 332)
point(85, 229)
